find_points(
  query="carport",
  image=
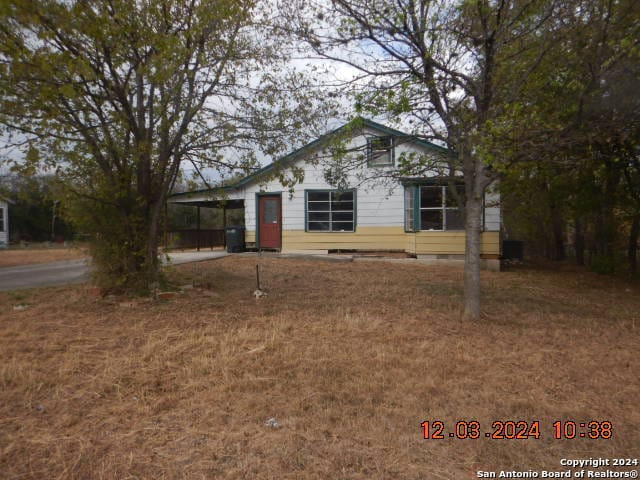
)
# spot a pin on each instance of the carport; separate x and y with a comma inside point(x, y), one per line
point(192, 233)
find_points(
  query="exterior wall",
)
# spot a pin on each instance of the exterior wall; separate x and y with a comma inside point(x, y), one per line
point(379, 218)
point(4, 233)
point(492, 211)
point(384, 238)
point(364, 238)
point(450, 243)
point(379, 205)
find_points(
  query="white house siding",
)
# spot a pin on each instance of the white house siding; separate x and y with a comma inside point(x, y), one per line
point(379, 212)
point(375, 207)
point(492, 211)
point(4, 233)
point(379, 217)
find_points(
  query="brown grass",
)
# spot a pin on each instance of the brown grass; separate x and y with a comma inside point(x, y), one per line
point(349, 358)
point(31, 256)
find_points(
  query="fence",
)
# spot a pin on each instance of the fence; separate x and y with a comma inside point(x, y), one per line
point(194, 238)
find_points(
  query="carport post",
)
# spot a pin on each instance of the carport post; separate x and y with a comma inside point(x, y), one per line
point(198, 229)
point(224, 226)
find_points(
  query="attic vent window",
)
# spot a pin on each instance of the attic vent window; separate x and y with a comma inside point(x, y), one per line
point(380, 151)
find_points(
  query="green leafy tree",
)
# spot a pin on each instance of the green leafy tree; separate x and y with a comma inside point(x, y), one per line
point(117, 94)
point(577, 130)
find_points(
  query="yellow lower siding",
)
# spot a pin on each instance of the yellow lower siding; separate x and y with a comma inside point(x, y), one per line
point(364, 238)
point(384, 238)
point(452, 243)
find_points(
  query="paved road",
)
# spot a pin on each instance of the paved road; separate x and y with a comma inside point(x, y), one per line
point(43, 274)
point(75, 271)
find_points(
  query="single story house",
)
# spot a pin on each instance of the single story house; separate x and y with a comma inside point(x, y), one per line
point(375, 209)
point(4, 222)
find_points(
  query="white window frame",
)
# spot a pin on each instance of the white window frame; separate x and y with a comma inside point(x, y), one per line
point(409, 209)
point(443, 208)
point(413, 209)
point(380, 151)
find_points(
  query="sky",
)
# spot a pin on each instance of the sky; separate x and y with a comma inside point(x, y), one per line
point(337, 73)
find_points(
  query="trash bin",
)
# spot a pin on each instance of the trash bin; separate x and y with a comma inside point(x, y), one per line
point(512, 250)
point(235, 239)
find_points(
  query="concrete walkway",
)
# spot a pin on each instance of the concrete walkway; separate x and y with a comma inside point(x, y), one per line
point(77, 271)
point(176, 258)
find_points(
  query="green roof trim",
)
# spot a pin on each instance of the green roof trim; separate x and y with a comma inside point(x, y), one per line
point(227, 188)
point(357, 122)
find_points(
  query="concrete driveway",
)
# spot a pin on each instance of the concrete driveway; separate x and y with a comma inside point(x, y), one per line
point(77, 271)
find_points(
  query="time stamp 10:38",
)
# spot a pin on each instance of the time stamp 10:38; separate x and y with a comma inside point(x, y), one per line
point(517, 430)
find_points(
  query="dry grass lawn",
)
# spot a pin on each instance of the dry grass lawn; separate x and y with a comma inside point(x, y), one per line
point(349, 358)
point(30, 256)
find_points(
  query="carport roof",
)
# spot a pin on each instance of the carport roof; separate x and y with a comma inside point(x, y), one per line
point(227, 203)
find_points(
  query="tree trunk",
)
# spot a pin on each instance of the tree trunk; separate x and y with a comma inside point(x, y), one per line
point(151, 261)
point(473, 214)
point(557, 227)
point(606, 231)
point(578, 241)
point(632, 253)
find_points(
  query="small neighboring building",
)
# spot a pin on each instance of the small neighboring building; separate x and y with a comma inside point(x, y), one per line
point(385, 212)
point(4, 222)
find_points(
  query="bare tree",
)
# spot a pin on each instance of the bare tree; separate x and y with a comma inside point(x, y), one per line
point(443, 66)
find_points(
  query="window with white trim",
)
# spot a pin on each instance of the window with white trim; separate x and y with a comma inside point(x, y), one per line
point(438, 209)
point(1, 219)
point(432, 207)
point(330, 210)
point(380, 151)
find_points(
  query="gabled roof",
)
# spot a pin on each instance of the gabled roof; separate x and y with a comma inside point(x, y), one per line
point(282, 162)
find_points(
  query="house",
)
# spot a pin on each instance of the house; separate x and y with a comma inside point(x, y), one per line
point(4, 222)
point(373, 209)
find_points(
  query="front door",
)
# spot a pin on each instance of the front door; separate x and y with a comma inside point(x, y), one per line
point(269, 221)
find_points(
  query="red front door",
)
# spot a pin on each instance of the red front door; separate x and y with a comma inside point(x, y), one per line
point(269, 221)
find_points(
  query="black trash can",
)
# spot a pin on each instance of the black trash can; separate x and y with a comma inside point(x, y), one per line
point(512, 250)
point(235, 239)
